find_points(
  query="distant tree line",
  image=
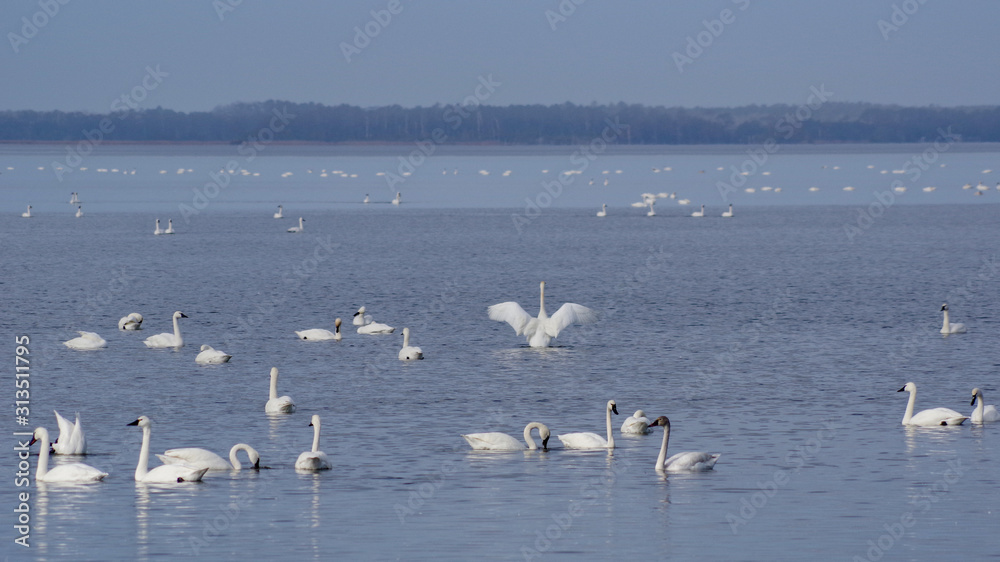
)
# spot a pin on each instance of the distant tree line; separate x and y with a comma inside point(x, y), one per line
point(518, 124)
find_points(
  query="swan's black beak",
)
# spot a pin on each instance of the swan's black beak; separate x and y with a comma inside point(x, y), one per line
point(902, 389)
point(256, 465)
point(32, 442)
point(973, 403)
point(310, 424)
point(184, 315)
point(357, 313)
point(944, 307)
point(545, 444)
point(614, 408)
point(655, 422)
point(136, 422)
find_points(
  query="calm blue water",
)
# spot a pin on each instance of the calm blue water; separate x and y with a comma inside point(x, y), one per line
point(772, 338)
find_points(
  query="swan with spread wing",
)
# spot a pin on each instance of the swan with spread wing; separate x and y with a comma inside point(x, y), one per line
point(541, 329)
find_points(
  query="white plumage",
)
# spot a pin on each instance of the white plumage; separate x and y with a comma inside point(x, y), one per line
point(541, 329)
point(932, 417)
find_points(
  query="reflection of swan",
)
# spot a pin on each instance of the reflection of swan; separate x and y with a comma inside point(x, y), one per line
point(604, 210)
point(211, 356)
point(158, 230)
point(71, 440)
point(71, 472)
point(168, 473)
point(313, 459)
point(496, 441)
point(700, 213)
point(592, 440)
point(87, 340)
point(27, 214)
point(299, 228)
point(280, 214)
point(983, 414)
point(728, 214)
point(409, 352)
point(166, 339)
point(637, 423)
point(539, 331)
point(681, 462)
point(275, 405)
point(170, 227)
point(203, 458)
point(397, 199)
point(79, 211)
point(318, 334)
point(131, 322)
point(949, 328)
point(935, 416)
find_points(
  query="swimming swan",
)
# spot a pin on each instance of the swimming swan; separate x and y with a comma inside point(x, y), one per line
point(71, 440)
point(79, 211)
point(728, 214)
point(368, 325)
point(313, 459)
point(935, 416)
point(397, 200)
point(158, 230)
point(165, 474)
point(74, 198)
point(211, 356)
point(318, 334)
point(27, 214)
point(604, 210)
point(700, 213)
point(170, 227)
point(131, 322)
point(681, 462)
point(636, 424)
point(203, 458)
point(367, 199)
point(949, 328)
point(409, 352)
point(166, 339)
point(592, 440)
point(539, 331)
point(983, 414)
point(87, 340)
point(362, 319)
point(71, 472)
point(299, 228)
point(496, 441)
point(275, 405)
point(280, 214)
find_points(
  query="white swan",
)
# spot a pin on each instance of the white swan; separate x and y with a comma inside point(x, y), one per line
point(313, 459)
point(74, 198)
point(170, 227)
point(362, 319)
point(133, 321)
point(158, 230)
point(409, 352)
point(983, 414)
point(368, 325)
point(949, 328)
point(539, 331)
point(27, 214)
point(592, 440)
point(166, 339)
point(299, 228)
point(397, 199)
point(651, 212)
point(79, 211)
point(70, 472)
point(203, 458)
point(71, 440)
point(496, 441)
point(210, 356)
point(700, 213)
point(604, 210)
point(934, 416)
point(681, 462)
point(275, 405)
point(280, 214)
point(728, 214)
point(87, 340)
point(636, 424)
point(165, 474)
point(367, 199)
point(318, 334)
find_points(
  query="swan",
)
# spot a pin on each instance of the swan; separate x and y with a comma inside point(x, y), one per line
point(367, 199)
point(681, 462)
point(409, 352)
point(71, 440)
point(983, 414)
point(211, 356)
point(651, 212)
point(496, 441)
point(700, 213)
point(79, 211)
point(87, 340)
point(317, 334)
point(949, 328)
point(158, 230)
point(397, 199)
point(313, 459)
point(170, 227)
point(362, 319)
point(275, 405)
point(636, 424)
point(604, 210)
point(368, 325)
point(280, 214)
point(132, 321)
point(203, 458)
point(728, 214)
point(70, 472)
point(166, 339)
point(935, 416)
point(592, 440)
point(165, 474)
point(299, 228)
point(539, 331)
point(27, 214)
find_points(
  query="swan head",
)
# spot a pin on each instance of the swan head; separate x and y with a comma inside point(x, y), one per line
point(908, 387)
point(639, 414)
point(205, 347)
point(179, 314)
point(661, 421)
point(976, 393)
point(360, 311)
point(336, 322)
point(39, 434)
point(274, 372)
point(143, 421)
point(315, 421)
point(613, 406)
point(544, 434)
point(944, 306)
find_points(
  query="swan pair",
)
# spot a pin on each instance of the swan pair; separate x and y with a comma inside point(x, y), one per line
point(169, 230)
point(495, 441)
point(932, 417)
point(297, 229)
point(131, 322)
point(166, 339)
point(409, 352)
point(197, 458)
point(167, 473)
point(313, 459)
point(211, 356)
point(69, 472)
point(74, 198)
point(540, 330)
point(983, 413)
point(275, 405)
point(948, 327)
point(317, 334)
point(367, 325)
point(87, 340)
point(71, 440)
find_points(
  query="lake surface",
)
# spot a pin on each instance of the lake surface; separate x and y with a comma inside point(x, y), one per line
point(777, 338)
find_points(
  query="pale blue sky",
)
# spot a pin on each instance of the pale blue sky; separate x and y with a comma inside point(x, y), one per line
point(92, 52)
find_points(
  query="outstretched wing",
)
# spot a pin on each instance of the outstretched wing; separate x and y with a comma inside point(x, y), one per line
point(569, 313)
point(511, 313)
point(65, 426)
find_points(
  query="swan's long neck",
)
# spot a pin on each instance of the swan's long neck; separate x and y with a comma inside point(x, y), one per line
point(233, 457)
point(528, 439)
point(300, 223)
point(611, 436)
point(143, 467)
point(541, 303)
point(315, 437)
point(406, 337)
point(660, 460)
point(945, 327)
point(909, 405)
point(978, 414)
point(274, 385)
point(177, 330)
point(43, 455)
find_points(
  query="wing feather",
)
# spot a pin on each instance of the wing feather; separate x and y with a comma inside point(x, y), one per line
point(569, 313)
point(511, 313)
